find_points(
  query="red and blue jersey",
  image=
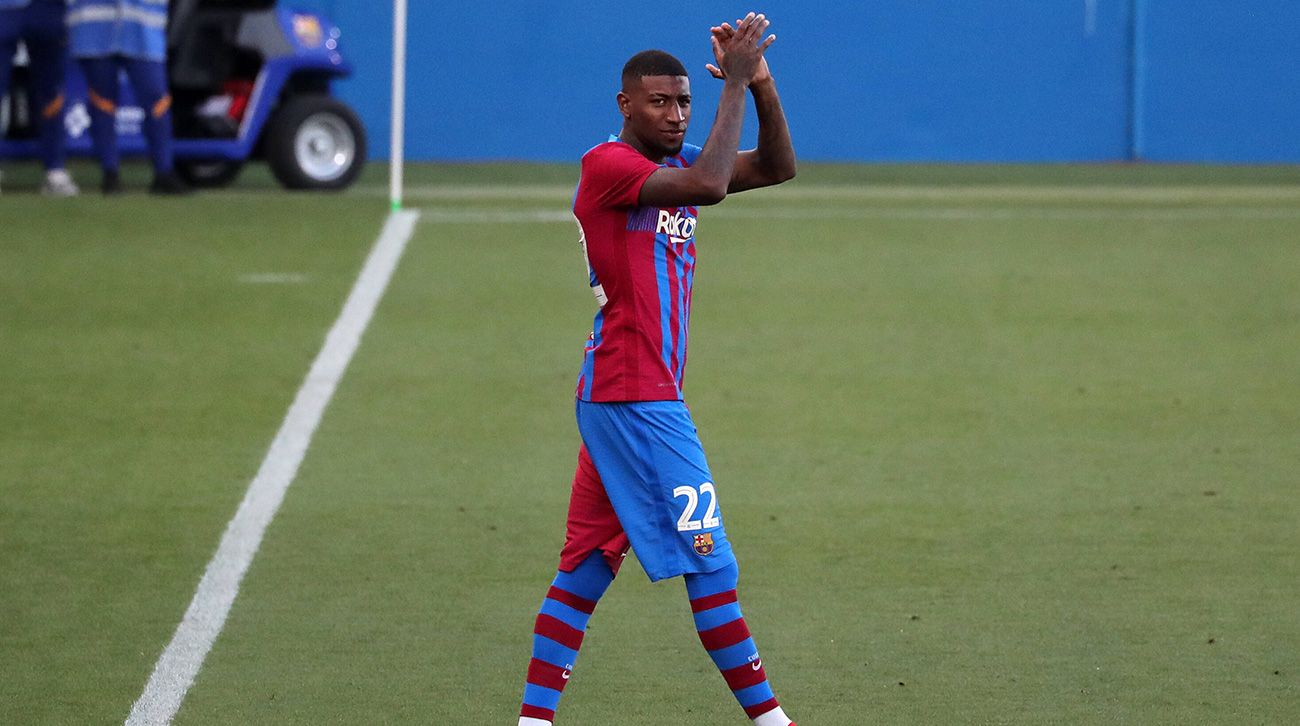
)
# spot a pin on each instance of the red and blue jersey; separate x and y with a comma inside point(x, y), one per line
point(641, 266)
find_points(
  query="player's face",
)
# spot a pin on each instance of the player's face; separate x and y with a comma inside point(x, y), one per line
point(656, 111)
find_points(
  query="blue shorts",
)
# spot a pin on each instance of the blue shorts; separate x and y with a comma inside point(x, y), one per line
point(652, 464)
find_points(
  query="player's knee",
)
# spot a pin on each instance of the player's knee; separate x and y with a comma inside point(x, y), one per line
point(703, 584)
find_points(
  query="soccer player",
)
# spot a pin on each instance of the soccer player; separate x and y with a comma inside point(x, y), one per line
point(642, 479)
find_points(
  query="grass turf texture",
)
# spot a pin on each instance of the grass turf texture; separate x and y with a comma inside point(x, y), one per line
point(997, 449)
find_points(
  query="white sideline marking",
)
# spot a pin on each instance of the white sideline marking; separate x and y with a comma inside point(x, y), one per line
point(273, 278)
point(179, 663)
point(1116, 193)
point(997, 214)
point(1140, 214)
point(489, 216)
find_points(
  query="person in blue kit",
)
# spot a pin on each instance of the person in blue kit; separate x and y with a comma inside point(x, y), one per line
point(39, 24)
point(128, 35)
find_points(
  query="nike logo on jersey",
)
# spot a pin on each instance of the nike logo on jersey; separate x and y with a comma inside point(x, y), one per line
point(680, 228)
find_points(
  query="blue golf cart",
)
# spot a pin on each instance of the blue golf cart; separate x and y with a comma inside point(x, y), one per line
point(249, 80)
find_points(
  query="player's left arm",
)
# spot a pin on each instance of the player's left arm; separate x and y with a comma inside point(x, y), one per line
point(773, 160)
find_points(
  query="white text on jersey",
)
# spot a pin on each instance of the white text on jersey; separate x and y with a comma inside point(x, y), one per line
point(680, 228)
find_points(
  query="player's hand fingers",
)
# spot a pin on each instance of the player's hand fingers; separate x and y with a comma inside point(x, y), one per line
point(717, 48)
point(740, 33)
point(754, 28)
point(770, 40)
point(743, 25)
point(715, 71)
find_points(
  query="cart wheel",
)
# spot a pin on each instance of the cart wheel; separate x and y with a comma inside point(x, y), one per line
point(208, 174)
point(315, 142)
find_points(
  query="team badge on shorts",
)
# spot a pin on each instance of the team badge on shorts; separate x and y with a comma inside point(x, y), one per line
point(704, 544)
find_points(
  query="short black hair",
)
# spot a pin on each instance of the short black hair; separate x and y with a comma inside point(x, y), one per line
point(652, 63)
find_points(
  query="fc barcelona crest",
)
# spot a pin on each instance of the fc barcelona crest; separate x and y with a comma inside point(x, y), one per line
point(704, 543)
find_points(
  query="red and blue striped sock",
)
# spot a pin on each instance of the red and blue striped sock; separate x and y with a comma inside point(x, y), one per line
point(725, 635)
point(557, 636)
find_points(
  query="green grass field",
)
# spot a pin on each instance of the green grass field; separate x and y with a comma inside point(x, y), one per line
point(1008, 445)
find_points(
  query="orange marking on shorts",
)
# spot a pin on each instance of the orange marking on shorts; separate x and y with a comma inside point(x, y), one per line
point(53, 108)
point(163, 105)
point(103, 104)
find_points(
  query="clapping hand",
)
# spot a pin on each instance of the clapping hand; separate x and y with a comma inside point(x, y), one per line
point(735, 48)
point(725, 38)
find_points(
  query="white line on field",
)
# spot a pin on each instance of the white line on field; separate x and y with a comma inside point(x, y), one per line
point(1140, 214)
point(490, 216)
point(176, 668)
point(1117, 193)
point(273, 278)
point(459, 215)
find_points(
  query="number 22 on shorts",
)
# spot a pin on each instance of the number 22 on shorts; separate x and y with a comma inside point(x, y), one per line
point(687, 522)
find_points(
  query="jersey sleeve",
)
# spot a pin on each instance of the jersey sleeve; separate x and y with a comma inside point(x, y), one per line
point(613, 174)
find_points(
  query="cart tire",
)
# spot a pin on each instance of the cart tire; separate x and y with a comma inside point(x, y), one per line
point(208, 174)
point(315, 142)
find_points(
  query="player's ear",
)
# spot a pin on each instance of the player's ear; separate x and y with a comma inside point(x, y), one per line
point(624, 105)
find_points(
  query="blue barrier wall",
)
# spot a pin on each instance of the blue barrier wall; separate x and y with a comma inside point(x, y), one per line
point(1221, 80)
point(878, 80)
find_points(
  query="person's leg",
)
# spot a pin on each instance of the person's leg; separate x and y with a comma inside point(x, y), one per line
point(723, 631)
point(102, 86)
point(658, 481)
point(10, 24)
point(593, 551)
point(149, 81)
point(557, 635)
point(46, 41)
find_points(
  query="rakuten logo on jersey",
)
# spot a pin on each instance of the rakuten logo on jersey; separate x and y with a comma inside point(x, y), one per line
point(680, 228)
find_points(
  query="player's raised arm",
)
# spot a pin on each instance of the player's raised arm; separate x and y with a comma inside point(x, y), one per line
point(773, 160)
point(658, 108)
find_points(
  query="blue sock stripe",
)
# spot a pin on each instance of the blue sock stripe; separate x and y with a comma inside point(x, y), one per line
point(542, 697)
point(564, 613)
point(721, 615)
point(703, 584)
point(734, 656)
point(588, 580)
point(754, 695)
point(739, 655)
point(552, 652)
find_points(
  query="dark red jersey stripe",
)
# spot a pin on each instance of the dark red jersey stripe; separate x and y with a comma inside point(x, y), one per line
point(743, 676)
point(573, 601)
point(708, 602)
point(541, 673)
point(544, 714)
point(762, 708)
point(724, 635)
